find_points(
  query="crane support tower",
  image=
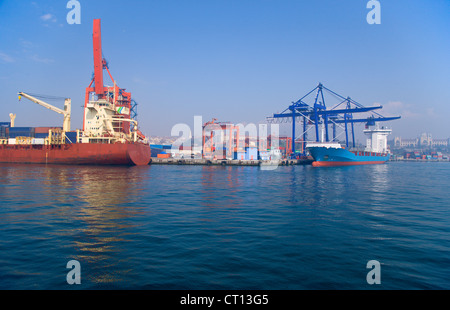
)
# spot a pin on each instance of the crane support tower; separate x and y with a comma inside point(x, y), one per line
point(317, 115)
point(66, 112)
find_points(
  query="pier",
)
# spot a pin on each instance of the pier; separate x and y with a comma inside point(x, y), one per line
point(226, 162)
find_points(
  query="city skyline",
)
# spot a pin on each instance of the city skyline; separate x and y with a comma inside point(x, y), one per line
point(237, 61)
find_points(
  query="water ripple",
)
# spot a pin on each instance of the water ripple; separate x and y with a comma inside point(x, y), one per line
point(195, 227)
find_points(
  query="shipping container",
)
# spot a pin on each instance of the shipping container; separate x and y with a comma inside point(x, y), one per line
point(251, 153)
point(41, 135)
point(3, 133)
point(71, 137)
point(239, 155)
point(163, 155)
point(21, 132)
point(45, 129)
point(12, 141)
point(161, 146)
point(156, 151)
point(38, 141)
point(22, 129)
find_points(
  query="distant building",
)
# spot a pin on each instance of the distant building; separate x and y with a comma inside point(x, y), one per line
point(424, 141)
point(402, 143)
point(440, 142)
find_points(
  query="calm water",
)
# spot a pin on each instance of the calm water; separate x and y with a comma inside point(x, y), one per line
point(200, 227)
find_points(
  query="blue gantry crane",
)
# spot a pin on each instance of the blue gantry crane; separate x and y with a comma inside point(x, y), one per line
point(318, 116)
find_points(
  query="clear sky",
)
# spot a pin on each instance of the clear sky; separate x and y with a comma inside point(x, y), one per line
point(234, 60)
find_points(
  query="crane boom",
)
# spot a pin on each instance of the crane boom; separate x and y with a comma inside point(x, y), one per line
point(98, 59)
point(66, 112)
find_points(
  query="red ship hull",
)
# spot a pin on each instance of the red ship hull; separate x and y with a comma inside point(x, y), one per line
point(344, 163)
point(78, 154)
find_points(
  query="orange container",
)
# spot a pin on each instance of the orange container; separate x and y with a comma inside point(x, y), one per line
point(163, 155)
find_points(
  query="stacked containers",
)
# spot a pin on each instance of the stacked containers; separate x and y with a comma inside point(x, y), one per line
point(42, 132)
point(251, 153)
point(4, 130)
point(239, 155)
point(15, 132)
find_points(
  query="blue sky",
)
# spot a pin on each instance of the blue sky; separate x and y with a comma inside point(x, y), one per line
point(235, 60)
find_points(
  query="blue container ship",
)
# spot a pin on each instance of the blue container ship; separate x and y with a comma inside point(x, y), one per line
point(328, 154)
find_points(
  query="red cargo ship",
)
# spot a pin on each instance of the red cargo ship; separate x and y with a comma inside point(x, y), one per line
point(77, 154)
point(110, 134)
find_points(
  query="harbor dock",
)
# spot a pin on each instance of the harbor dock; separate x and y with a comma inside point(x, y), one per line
point(225, 162)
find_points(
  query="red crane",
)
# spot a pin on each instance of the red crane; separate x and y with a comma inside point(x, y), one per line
point(115, 95)
point(99, 62)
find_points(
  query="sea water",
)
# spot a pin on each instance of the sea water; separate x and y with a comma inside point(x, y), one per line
point(214, 227)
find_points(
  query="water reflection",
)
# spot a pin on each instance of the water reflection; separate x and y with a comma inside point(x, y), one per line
point(379, 178)
point(108, 196)
point(91, 210)
point(222, 188)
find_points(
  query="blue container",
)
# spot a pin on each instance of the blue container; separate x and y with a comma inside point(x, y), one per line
point(21, 129)
point(21, 134)
point(239, 155)
point(156, 151)
point(251, 153)
point(71, 137)
point(41, 135)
